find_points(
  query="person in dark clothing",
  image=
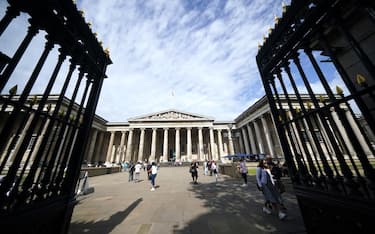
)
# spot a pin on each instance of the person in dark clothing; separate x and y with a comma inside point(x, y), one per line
point(131, 171)
point(209, 167)
point(276, 173)
point(194, 171)
point(149, 171)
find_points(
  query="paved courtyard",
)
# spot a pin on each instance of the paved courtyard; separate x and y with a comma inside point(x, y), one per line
point(178, 206)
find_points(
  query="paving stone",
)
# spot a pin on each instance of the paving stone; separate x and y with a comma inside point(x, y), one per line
point(178, 206)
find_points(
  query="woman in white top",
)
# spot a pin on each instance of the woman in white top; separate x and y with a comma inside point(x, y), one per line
point(154, 171)
point(214, 169)
point(137, 170)
point(243, 170)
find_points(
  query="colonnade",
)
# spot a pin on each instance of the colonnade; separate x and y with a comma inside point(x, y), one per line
point(257, 136)
point(160, 144)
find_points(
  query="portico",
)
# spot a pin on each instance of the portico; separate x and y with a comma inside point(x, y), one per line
point(165, 136)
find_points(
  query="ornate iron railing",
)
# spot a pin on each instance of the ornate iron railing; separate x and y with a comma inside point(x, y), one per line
point(43, 137)
point(328, 149)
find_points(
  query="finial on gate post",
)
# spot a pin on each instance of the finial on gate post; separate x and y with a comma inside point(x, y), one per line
point(284, 6)
point(361, 80)
point(13, 90)
point(277, 19)
point(339, 90)
point(106, 51)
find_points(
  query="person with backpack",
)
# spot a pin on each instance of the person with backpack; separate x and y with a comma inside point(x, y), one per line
point(148, 167)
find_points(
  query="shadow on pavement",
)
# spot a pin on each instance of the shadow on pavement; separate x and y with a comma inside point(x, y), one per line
point(103, 226)
point(236, 209)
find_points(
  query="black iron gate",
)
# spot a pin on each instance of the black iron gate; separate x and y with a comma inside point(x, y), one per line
point(42, 141)
point(328, 141)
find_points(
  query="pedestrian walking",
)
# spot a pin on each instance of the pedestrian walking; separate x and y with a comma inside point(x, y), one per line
point(131, 171)
point(209, 163)
point(214, 170)
point(276, 172)
point(145, 165)
point(153, 171)
point(205, 165)
point(194, 171)
point(243, 171)
point(267, 185)
point(148, 168)
point(137, 171)
point(258, 175)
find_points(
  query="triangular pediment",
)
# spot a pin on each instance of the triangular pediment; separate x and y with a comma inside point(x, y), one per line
point(171, 115)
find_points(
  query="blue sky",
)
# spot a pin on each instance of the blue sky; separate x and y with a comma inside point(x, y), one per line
point(194, 56)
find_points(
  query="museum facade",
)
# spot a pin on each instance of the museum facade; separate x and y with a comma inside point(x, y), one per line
point(175, 135)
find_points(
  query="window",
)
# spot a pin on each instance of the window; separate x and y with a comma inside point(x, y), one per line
point(32, 142)
point(318, 135)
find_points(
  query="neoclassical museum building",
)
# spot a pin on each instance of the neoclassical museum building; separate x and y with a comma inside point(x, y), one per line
point(182, 136)
point(176, 135)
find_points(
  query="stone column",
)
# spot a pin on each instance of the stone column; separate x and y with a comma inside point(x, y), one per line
point(38, 141)
point(268, 136)
point(189, 145)
point(141, 144)
point(153, 145)
point(99, 147)
point(92, 145)
point(342, 131)
point(231, 147)
point(122, 141)
point(178, 152)
point(21, 137)
point(357, 132)
point(129, 145)
point(200, 144)
point(109, 157)
point(259, 138)
point(242, 148)
point(212, 143)
point(246, 140)
point(220, 139)
point(165, 145)
point(251, 139)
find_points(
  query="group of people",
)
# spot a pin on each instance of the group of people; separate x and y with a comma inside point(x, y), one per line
point(268, 176)
point(136, 168)
point(209, 167)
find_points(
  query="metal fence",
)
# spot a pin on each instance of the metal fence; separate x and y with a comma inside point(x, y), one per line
point(43, 136)
point(325, 50)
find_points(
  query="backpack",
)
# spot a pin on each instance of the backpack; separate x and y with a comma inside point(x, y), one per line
point(276, 172)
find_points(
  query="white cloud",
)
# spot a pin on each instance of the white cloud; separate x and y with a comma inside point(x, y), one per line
point(201, 51)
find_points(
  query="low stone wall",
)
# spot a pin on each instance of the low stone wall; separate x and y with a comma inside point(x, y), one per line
point(97, 171)
point(229, 169)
